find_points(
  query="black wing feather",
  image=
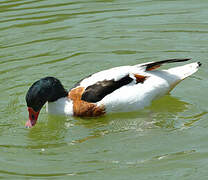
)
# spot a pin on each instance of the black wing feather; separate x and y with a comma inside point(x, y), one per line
point(99, 90)
point(158, 63)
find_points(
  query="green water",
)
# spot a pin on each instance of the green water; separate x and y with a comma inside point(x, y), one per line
point(72, 39)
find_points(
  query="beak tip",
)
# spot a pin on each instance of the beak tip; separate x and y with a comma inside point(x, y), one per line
point(28, 124)
point(33, 116)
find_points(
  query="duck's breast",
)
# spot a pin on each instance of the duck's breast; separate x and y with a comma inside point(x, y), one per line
point(61, 106)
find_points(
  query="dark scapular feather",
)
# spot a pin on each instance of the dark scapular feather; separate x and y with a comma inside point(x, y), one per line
point(99, 90)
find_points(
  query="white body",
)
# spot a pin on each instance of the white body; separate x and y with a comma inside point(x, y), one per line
point(133, 96)
point(61, 106)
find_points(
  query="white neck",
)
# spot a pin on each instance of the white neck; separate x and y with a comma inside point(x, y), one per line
point(61, 106)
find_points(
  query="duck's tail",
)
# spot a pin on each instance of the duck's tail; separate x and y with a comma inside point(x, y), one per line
point(181, 72)
point(184, 71)
point(177, 74)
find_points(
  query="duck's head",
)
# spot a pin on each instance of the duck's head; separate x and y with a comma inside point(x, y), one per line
point(46, 89)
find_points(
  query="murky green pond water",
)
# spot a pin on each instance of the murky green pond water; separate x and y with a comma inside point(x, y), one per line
point(72, 39)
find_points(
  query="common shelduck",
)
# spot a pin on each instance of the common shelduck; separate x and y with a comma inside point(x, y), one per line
point(120, 89)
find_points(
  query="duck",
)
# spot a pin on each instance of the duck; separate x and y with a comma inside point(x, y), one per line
point(119, 89)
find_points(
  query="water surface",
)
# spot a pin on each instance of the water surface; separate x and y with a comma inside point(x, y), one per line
point(72, 39)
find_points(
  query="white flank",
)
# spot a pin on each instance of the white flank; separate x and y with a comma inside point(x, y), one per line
point(137, 96)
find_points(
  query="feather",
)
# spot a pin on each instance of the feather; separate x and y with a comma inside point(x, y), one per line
point(154, 65)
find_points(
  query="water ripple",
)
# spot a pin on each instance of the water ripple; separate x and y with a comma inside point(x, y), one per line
point(71, 39)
